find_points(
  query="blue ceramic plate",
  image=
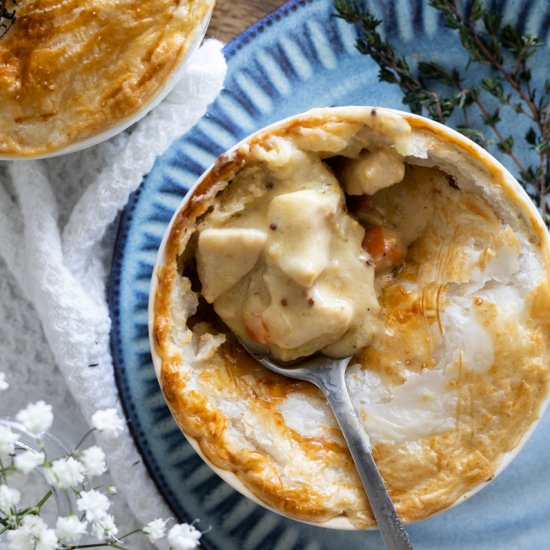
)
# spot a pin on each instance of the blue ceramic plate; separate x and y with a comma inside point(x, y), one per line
point(297, 58)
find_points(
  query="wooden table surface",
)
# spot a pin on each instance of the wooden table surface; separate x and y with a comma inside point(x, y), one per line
point(231, 17)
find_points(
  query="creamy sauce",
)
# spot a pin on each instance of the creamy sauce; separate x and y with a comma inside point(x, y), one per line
point(289, 273)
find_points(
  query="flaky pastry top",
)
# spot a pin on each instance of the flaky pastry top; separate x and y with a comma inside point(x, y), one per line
point(456, 373)
point(72, 69)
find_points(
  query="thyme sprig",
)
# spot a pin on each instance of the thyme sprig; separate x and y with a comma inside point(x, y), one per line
point(439, 92)
point(7, 16)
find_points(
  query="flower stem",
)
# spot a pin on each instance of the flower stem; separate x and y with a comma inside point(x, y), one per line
point(131, 533)
point(97, 545)
point(84, 437)
point(3, 471)
point(44, 500)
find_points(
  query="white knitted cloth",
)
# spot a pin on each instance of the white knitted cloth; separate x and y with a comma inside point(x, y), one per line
point(56, 240)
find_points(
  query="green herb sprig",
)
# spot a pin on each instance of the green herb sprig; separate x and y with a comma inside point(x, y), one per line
point(437, 92)
point(7, 16)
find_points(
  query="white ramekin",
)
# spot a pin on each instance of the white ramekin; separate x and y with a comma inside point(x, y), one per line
point(520, 197)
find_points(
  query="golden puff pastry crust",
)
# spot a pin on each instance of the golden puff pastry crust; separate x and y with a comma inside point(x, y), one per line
point(70, 70)
point(457, 372)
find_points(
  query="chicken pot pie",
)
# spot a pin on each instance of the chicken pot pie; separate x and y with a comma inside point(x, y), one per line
point(70, 70)
point(357, 231)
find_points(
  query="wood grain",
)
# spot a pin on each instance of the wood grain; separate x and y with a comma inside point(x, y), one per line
point(231, 17)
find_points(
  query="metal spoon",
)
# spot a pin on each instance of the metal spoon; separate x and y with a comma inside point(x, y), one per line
point(328, 375)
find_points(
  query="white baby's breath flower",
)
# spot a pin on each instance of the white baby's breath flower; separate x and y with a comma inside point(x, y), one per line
point(7, 442)
point(34, 525)
point(94, 504)
point(155, 529)
point(70, 529)
point(8, 498)
point(32, 535)
point(93, 460)
point(3, 384)
point(36, 417)
point(105, 529)
point(47, 540)
point(184, 537)
point(65, 473)
point(19, 539)
point(28, 461)
point(108, 423)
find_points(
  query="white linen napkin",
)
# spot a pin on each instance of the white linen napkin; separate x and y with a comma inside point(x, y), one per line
point(56, 238)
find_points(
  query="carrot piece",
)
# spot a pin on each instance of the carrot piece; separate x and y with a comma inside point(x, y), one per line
point(384, 246)
point(256, 328)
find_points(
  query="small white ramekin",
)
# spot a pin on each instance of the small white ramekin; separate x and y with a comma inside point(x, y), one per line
point(511, 187)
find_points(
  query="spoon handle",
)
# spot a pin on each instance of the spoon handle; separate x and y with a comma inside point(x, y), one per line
point(393, 533)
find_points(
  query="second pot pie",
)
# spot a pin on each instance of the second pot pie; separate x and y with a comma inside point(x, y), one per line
point(71, 69)
point(450, 374)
